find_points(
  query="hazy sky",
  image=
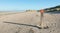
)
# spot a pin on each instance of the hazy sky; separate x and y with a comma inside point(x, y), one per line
point(27, 4)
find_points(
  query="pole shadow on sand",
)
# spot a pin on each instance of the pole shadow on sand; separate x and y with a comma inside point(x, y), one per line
point(27, 25)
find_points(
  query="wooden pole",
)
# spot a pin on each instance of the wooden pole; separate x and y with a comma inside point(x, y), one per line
point(41, 18)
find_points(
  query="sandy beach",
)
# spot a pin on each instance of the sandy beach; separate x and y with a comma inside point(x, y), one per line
point(31, 18)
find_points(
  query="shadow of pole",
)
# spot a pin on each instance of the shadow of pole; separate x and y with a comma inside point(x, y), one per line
point(26, 25)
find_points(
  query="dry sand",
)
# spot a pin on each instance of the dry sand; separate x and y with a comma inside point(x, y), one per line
point(33, 18)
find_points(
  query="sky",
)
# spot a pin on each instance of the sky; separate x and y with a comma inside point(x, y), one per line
point(27, 4)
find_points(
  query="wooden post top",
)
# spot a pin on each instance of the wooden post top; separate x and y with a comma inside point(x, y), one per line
point(41, 11)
